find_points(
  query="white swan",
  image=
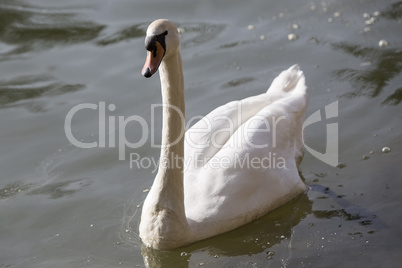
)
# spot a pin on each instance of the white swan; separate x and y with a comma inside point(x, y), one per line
point(225, 175)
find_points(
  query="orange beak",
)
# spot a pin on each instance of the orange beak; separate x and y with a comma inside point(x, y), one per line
point(154, 59)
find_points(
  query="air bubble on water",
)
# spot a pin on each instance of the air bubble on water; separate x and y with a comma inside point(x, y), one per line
point(376, 13)
point(383, 43)
point(386, 150)
point(370, 21)
point(292, 37)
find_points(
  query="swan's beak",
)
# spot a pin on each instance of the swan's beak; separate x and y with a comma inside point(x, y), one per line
point(154, 59)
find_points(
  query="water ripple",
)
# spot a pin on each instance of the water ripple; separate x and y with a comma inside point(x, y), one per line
point(32, 28)
point(127, 33)
point(32, 86)
point(199, 33)
point(386, 65)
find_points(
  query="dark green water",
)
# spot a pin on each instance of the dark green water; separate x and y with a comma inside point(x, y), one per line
point(63, 206)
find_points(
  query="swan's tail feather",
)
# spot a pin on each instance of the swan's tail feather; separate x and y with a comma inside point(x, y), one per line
point(289, 81)
point(290, 90)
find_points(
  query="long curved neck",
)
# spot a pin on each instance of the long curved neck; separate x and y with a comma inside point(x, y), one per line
point(172, 84)
point(163, 222)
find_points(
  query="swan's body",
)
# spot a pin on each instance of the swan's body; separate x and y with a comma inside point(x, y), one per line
point(240, 161)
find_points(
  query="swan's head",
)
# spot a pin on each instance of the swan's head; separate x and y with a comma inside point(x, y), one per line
point(162, 41)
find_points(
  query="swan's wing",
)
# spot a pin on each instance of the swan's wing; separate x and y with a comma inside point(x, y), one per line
point(256, 169)
point(212, 132)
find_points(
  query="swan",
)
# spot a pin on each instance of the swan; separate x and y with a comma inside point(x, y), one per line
point(220, 174)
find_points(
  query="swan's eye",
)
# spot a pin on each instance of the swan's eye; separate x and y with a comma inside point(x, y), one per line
point(150, 43)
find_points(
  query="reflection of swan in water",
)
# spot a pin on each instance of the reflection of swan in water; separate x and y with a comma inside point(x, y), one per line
point(203, 200)
point(271, 230)
point(347, 211)
point(250, 239)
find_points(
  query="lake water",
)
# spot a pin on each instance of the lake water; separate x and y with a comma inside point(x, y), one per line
point(64, 206)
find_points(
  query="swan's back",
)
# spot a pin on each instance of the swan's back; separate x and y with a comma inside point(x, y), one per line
point(242, 158)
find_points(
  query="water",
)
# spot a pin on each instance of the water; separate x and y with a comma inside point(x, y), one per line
point(62, 206)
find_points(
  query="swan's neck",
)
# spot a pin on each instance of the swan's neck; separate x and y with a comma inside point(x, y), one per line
point(163, 220)
point(172, 152)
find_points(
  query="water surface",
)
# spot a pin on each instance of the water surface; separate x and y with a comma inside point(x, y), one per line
point(62, 206)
